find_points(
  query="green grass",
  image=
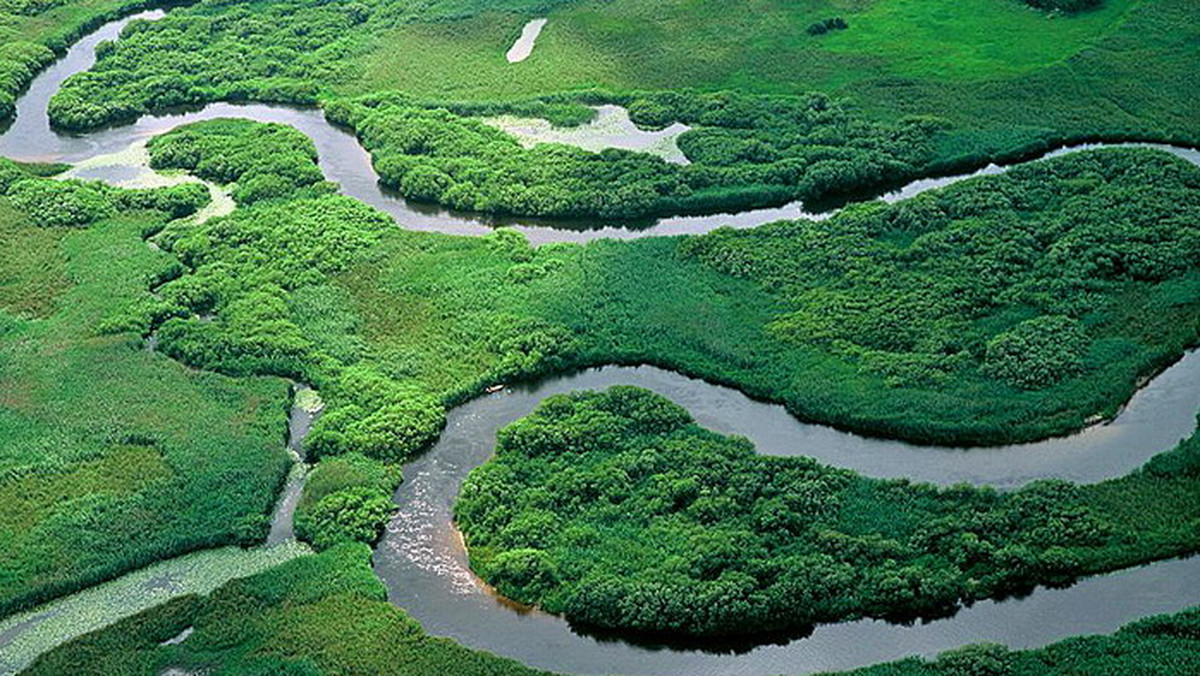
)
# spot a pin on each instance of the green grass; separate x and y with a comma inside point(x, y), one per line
point(760, 46)
point(34, 267)
point(112, 456)
point(972, 39)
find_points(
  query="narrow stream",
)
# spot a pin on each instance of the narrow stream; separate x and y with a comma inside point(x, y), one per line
point(421, 558)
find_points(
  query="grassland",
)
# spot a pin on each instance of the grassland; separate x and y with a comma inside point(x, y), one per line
point(640, 44)
point(112, 456)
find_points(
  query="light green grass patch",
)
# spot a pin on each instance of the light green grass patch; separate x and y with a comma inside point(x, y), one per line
point(971, 39)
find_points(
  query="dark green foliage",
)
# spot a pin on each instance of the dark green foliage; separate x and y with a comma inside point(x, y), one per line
point(346, 498)
point(175, 201)
point(1164, 645)
point(349, 515)
point(62, 204)
point(266, 161)
point(746, 151)
point(616, 510)
point(76, 204)
point(1026, 281)
point(1064, 6)
point(1036, 353)
point(313, 616)
point(377, 417)
point(823, 27)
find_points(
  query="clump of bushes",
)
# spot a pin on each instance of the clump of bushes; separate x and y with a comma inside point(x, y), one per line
point(376, 416)
point(1037, 353)
point(354, 514)
point(62, 204)
point(746, 151)
point(266, 161)
point(615, 509)
point(75, 204)
point(823, 27)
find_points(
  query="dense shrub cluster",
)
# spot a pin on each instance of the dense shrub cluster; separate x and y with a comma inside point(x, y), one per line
point(616, 510)
point(746, 151)
point(1064, 6)
point(1015, 278)
point(1037, 353)
point(75, 204)
point(1156, 646)
point(265, 161)
point(214, 51)
point(347, 498)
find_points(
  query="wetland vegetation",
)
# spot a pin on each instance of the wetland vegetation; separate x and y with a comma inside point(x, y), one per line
point(112, 456)
point(618, 511)
point(1001, 309)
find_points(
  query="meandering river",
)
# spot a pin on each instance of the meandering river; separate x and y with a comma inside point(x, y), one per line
point(421, 558)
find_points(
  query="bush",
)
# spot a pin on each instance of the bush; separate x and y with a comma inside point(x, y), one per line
point(1037, 353)
point(616, 510)
point(62, 204)
point(348, 515)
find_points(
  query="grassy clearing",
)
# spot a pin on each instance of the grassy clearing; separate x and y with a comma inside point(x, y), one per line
point(761, 46)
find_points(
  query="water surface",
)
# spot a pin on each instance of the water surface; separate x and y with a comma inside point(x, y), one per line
point(422, 561)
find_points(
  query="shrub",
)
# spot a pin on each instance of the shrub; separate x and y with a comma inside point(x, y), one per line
point(348, 515)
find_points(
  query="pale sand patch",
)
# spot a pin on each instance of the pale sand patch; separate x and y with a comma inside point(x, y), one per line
point(130, 168)
point(523, 47)
point(612, 128)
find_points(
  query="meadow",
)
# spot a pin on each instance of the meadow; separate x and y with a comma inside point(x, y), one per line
point(111, 456)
